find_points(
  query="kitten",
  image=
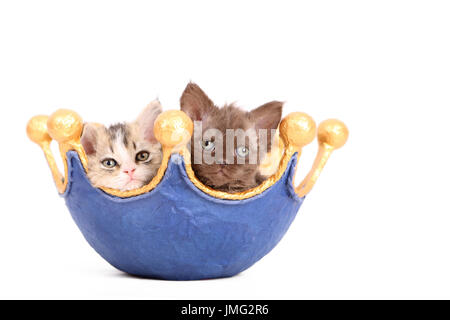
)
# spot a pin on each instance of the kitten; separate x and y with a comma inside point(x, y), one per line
point(124, 156)
point(228, 175)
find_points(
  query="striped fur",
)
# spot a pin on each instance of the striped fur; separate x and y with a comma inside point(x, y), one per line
point(122, 143)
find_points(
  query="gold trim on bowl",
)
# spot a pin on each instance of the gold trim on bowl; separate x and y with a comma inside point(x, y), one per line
point(173, 130)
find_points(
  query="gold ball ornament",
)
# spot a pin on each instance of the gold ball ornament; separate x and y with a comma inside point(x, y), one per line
point(173, 128)
point(333, 132)
point(65, 125)
point(37, 129)
point(298, 129)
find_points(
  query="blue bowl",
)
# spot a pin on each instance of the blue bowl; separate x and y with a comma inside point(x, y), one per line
point(176, 231)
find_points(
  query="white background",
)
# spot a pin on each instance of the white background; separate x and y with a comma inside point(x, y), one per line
point(377, 223)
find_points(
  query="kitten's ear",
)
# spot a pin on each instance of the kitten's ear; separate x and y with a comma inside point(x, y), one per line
point(195, 103)
point(89, 138)
point(268, 116)
point(146, 120)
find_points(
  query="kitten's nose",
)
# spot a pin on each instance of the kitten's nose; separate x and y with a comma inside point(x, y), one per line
point(130, 171)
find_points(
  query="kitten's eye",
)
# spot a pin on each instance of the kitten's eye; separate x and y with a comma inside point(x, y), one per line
point(109, 163)
point(142, 156)
point(242, 152)
point(208, 145)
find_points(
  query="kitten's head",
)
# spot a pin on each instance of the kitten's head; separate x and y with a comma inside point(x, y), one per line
point(237, 156)
point(124, 156)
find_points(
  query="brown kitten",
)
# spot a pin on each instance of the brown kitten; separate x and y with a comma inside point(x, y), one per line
point(233, 171)
point(124, 156)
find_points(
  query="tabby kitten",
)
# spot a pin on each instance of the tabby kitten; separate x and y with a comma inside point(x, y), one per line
point(232, 171)
point(124, 156)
